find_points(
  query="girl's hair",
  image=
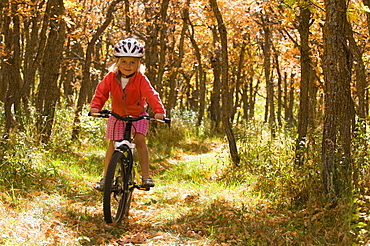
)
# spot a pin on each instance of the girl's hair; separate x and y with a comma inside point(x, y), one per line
point(114, 67)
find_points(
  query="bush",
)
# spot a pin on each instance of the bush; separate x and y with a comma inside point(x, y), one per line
point(27, 163)
point(24, 163)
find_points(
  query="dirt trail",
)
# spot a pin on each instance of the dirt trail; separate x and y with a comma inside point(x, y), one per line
point(173, 214)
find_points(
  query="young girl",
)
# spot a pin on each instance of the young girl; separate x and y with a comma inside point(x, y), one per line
point(130, 91)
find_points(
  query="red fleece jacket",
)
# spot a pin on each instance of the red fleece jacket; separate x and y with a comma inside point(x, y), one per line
point(130, 101)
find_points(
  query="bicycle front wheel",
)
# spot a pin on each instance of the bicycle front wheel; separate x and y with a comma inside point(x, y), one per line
point(118, 187)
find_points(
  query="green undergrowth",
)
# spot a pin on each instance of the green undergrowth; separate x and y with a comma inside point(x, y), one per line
point(295, 188)
point(200, 197)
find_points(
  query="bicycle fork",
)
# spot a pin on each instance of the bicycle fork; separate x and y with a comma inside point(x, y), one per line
point(118, 147)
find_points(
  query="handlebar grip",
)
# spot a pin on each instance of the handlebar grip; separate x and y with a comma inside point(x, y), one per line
point(104, 111)
point(102, 114)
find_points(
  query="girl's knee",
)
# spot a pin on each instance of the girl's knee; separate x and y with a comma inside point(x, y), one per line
point(140, 139)
point(110, 144)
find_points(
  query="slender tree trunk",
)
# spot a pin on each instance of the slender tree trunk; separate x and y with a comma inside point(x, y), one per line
point(201, 73)
point(289, 99)
point(360, 72)
point(215, 107)
point(303, 113)
point(162, 44)
point(279, 89)
point(238, 80)
point(155, 43)
point(226, 99)
point(31, 31)
point(245, 100)
point(127, 18)
point(86, 84)
point(252, 98)
point(366, 93)
point(202, 92)
point(270, 107)
point(172, 98)
point(312, 97)
point(151, 59)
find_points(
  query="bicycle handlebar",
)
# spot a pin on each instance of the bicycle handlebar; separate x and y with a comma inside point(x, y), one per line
point(126, 118)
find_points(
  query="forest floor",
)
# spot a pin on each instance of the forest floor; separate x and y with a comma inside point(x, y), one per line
point(195, 202)
point(189, 205)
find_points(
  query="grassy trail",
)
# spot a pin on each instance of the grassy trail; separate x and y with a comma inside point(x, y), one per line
point(46, 195)
point(195, 202)
point(192, 204)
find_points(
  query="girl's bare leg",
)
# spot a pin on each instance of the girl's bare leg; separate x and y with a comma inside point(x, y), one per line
point(143, 155)
point(108, 155)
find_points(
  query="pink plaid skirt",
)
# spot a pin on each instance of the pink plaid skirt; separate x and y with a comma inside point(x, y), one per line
point(116, 128)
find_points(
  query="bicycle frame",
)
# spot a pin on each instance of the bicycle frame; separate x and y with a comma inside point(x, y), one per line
point(120, 146)
point(122, 171)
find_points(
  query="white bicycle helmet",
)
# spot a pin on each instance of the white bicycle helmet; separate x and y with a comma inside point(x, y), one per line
point(129, 47)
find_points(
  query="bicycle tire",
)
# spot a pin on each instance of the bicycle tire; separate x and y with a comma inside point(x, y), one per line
point(118, 187)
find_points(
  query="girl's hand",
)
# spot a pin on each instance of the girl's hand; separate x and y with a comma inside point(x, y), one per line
point(159, 116)
point(94, 110)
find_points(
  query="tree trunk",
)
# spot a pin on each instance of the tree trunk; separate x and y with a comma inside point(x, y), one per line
point(202, 92)
point(361, 125)
point(279, 89)
point(312, 97)
point(127, 18)
point(200, 72)
point(226, 99)
point(155, 43)
point(172, 98)
point(360, 73)
point(303, 113)
point(85, 83)
point(215, 107)
point(11, 67)
point(238, 80)
point(289, 99)
point(367, 93)
point(48, 90)
point(162, 45)
point(339, 112)
point(270, 107)
point(32, 40)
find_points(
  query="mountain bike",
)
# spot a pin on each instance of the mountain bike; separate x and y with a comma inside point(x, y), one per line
point(122, 175)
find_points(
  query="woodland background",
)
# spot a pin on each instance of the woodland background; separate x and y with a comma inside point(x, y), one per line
point(298, 67)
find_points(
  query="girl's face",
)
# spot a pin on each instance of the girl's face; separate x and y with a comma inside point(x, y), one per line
point(128, 65)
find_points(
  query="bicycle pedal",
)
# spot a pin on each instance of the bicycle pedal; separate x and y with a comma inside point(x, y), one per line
point(143, 188)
